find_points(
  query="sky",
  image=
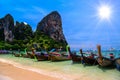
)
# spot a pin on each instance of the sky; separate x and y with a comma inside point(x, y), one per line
point(82, 25)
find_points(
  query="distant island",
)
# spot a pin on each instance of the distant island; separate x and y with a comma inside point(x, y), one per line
point(19, 35)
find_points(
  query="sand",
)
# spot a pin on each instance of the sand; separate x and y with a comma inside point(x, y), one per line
point(15, 70)
point(10, 72)
point(2, 77)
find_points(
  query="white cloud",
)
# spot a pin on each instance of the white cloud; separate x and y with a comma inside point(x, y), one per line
point(39, 10)
point(33, 13)
point(25, 23)
point(31, 10)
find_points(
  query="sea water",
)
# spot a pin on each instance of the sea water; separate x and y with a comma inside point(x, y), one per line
point(105, 53)
point(73, 71)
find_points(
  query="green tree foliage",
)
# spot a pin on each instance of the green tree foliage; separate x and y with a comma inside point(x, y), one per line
point(23, 30)
point(2, 45)
point(45, 42)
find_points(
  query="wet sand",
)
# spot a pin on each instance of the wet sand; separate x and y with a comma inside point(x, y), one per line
point(10, 72)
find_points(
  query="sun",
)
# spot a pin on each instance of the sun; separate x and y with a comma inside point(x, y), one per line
point(104, 12)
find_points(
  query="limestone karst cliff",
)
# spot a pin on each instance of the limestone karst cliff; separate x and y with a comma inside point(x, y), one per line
point(51, 25)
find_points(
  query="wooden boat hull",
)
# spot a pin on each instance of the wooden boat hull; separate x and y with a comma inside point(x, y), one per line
point(91, 61)
point(30, 55)
point(87, 60)
point(105, 62)
point(4, 52)
point(75, 58)
point(59, 57)
point(16, 55)
point(117, 63)
point(41, 57)
point(25, 55)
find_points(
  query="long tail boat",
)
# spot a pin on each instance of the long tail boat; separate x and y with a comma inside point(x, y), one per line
point(103, 61)
point(41, 56)
point(117, 63)
point(4, 51)
point(89, 59)
point(74, 57)
point(15, 54)
point(24, 54)
point(59, 56)
point(31, 55)
point(78, 58)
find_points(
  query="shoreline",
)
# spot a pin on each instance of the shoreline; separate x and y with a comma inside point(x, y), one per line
point(59, 70)
point(16, 71)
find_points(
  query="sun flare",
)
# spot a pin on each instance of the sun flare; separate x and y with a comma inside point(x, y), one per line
point(104, 12)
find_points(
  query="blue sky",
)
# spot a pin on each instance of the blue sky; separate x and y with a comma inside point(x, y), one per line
point(81, 24)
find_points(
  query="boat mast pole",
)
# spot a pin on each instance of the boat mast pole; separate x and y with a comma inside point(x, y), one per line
point(81, 52)
point(99, 52)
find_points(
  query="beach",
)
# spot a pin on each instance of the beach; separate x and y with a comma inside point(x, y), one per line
point(15, 73)
point(10, 72)
point(18, 68)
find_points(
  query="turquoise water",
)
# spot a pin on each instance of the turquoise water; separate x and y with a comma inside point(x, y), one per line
point(73, 71)
point(104, 53)
point(116, 53)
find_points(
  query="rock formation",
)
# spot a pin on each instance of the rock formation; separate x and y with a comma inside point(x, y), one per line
point(51, 25)
point(48, 35)
point(7, 25)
